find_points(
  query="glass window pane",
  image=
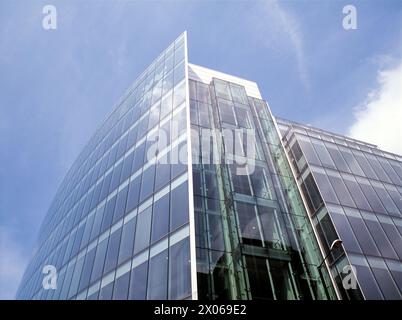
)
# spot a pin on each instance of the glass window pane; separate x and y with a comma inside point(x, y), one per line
point(222, 89)
point(226, 112)
point(120, 291)
point(112, 251)
point(351, 161)
point(116, 176)
point(76, 277)
point(138, 282)
point(203, 92)
point(108, 216)
point(323, 154)
point(127, 240)
point(179, 94)
point(248, 224)
point(344, 230)
point(371, 196)
point(86, 270)
point(162, 176)
point(312, 192)
point(362, 234)
point(355, 191)
point(157, 278)
point(377, 168)
point(340, 163)
point(143, 230)
point(138, 157)
point(308, 150)
point(147, 186)
point(99, 260)
point(340, 189)
point(126, 171)
point(179, 206)
point(384, 279)
point(385, 198)
point(324, 186)
point(366, 279)
point(98, 222)
point(379, 236)
point(369, 172)
point(160, 219)
point(179, 270)
point(106, 292)
point(133, 194)
point(120, 204)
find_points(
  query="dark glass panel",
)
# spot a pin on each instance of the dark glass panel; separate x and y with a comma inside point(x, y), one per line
point(157, 277)
point(147, 186)
point(121, 284)
point(179, 206)
point(99, 260)
point(108, 216)
point(160, 219)
point(138, 282)
point(112, 251)
point(179, 270)
point(127, 240)
point(120, 204)
point(143, 230)
point(248, 224)
point(86, 270)
point(133, 194)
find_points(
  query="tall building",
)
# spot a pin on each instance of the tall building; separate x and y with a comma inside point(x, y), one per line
point(191, 189)
point(353, 191)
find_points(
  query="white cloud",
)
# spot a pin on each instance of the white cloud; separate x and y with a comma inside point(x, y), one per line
point(378, 119)
point(279, 29)
point(12, 264)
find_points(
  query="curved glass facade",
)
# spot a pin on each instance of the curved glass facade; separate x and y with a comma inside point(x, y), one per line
point(144, 213)
point(118, 226)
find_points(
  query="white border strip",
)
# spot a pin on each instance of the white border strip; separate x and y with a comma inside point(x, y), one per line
point(193, 256)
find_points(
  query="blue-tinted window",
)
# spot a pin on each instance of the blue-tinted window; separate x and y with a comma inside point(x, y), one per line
point(120, 204)
point(87, 231)
point(162, 176)
point(77, 241)
point(179, 270)
point(116, 176)
point(147, 186)
point(160, 219)
point(108, 215)
point(133, 194)
point(99, 260)
point(106, 292)
point(105, 186)
point(127, 240)
point(112, 251)
point(97, 222)
point(179, 206)
point(138, 282)
point(76, 277)
point(157, 277)
point(127, 167)
point(138, 157)
point(86, 270)
point(143, 230)
point(121, 284)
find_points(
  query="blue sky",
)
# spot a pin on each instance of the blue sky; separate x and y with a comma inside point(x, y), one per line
point(57, 86)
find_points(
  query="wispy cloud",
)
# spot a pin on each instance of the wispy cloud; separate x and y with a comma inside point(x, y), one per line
point(12, 264)
point(279, 29)
point(378, 119)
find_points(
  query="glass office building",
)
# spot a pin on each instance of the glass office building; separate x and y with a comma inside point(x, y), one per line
point(353, 191)
point(190, 189)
